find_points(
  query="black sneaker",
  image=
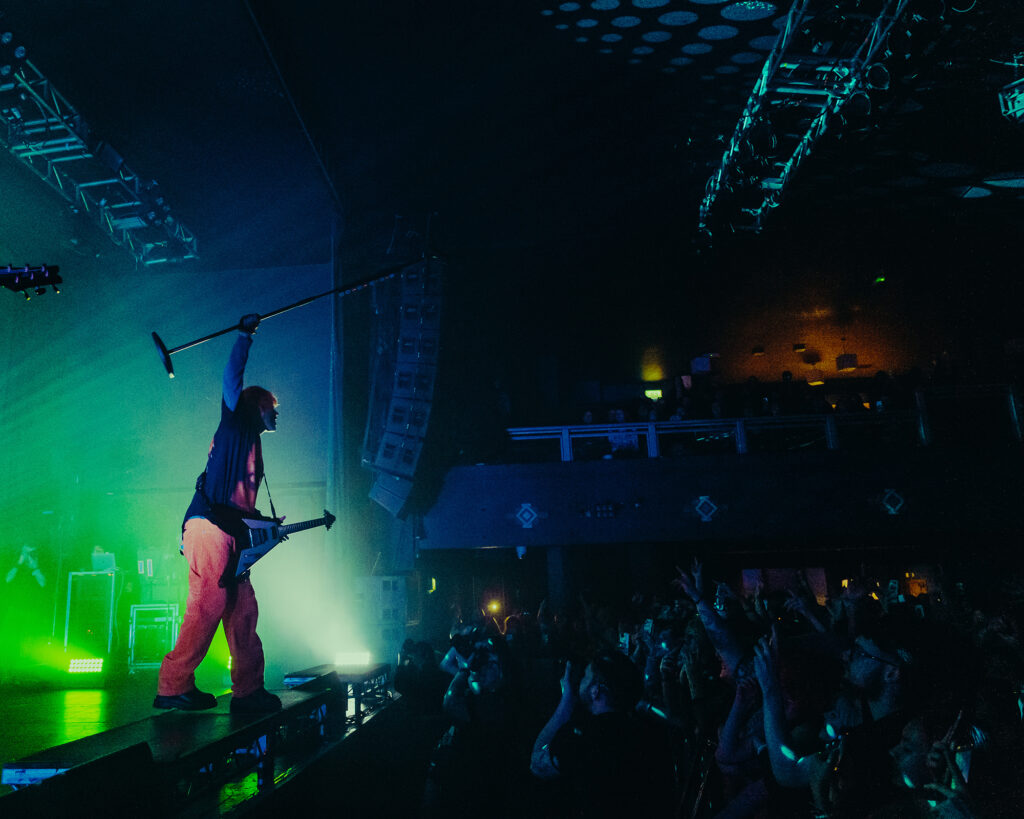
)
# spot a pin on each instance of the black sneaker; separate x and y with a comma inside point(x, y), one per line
point(194, 700)
point(260, 701)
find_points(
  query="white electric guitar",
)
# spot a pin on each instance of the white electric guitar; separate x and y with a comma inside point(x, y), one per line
point(264, 535)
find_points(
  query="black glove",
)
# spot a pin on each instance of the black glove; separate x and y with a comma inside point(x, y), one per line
point(249, 323)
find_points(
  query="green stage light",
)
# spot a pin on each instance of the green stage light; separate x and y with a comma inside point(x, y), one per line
point(87, 665)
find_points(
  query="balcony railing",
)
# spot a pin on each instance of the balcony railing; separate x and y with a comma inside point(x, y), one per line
point(992, 409)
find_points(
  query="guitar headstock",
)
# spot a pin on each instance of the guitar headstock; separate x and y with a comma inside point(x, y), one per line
point(23, 279)
point(328, 519)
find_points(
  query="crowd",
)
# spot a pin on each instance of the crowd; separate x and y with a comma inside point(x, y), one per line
point(720, 700)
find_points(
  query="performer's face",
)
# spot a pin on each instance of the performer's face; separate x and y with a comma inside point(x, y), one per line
point(268, 412)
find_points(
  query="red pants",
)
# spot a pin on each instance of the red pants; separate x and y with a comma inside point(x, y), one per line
point(208, 551)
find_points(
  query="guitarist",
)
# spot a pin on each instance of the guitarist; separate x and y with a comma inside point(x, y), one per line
point(225, 492)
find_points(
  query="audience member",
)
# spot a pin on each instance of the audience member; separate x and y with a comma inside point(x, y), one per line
point(613, 763)
point(419, 678)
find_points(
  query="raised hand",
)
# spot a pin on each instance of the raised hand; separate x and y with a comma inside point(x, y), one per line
point(766, 663)
point(249, 322)
point(692, 583)
point(797, 603)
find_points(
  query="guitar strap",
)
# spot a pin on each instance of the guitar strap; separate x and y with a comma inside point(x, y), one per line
point(273, 512)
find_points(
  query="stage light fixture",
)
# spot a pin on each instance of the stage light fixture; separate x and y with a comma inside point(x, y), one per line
point(88, 665)
point(877, 77)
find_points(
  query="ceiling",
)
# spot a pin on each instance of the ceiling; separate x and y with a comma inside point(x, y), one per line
point(557, 153)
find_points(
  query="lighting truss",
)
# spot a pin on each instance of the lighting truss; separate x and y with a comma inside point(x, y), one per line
point(44, 132)
point(815, 87)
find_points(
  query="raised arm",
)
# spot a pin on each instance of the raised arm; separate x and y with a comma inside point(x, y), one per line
point(734, 745)
point(722, 636)
point(234, 372)
point(542, 764)
point(790, 770)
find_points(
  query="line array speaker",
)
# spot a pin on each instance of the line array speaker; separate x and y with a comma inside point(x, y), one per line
point(406, 414)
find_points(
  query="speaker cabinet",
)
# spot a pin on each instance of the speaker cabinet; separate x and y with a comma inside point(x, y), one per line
point(89, 618)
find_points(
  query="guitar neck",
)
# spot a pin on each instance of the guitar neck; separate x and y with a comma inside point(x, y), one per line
point(288, 528)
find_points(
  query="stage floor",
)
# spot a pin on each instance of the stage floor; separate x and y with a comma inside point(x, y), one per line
point(40, 718)
point(40, 714)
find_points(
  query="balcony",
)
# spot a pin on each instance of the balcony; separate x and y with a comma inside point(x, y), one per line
point(995, 408)
point(947, 470)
